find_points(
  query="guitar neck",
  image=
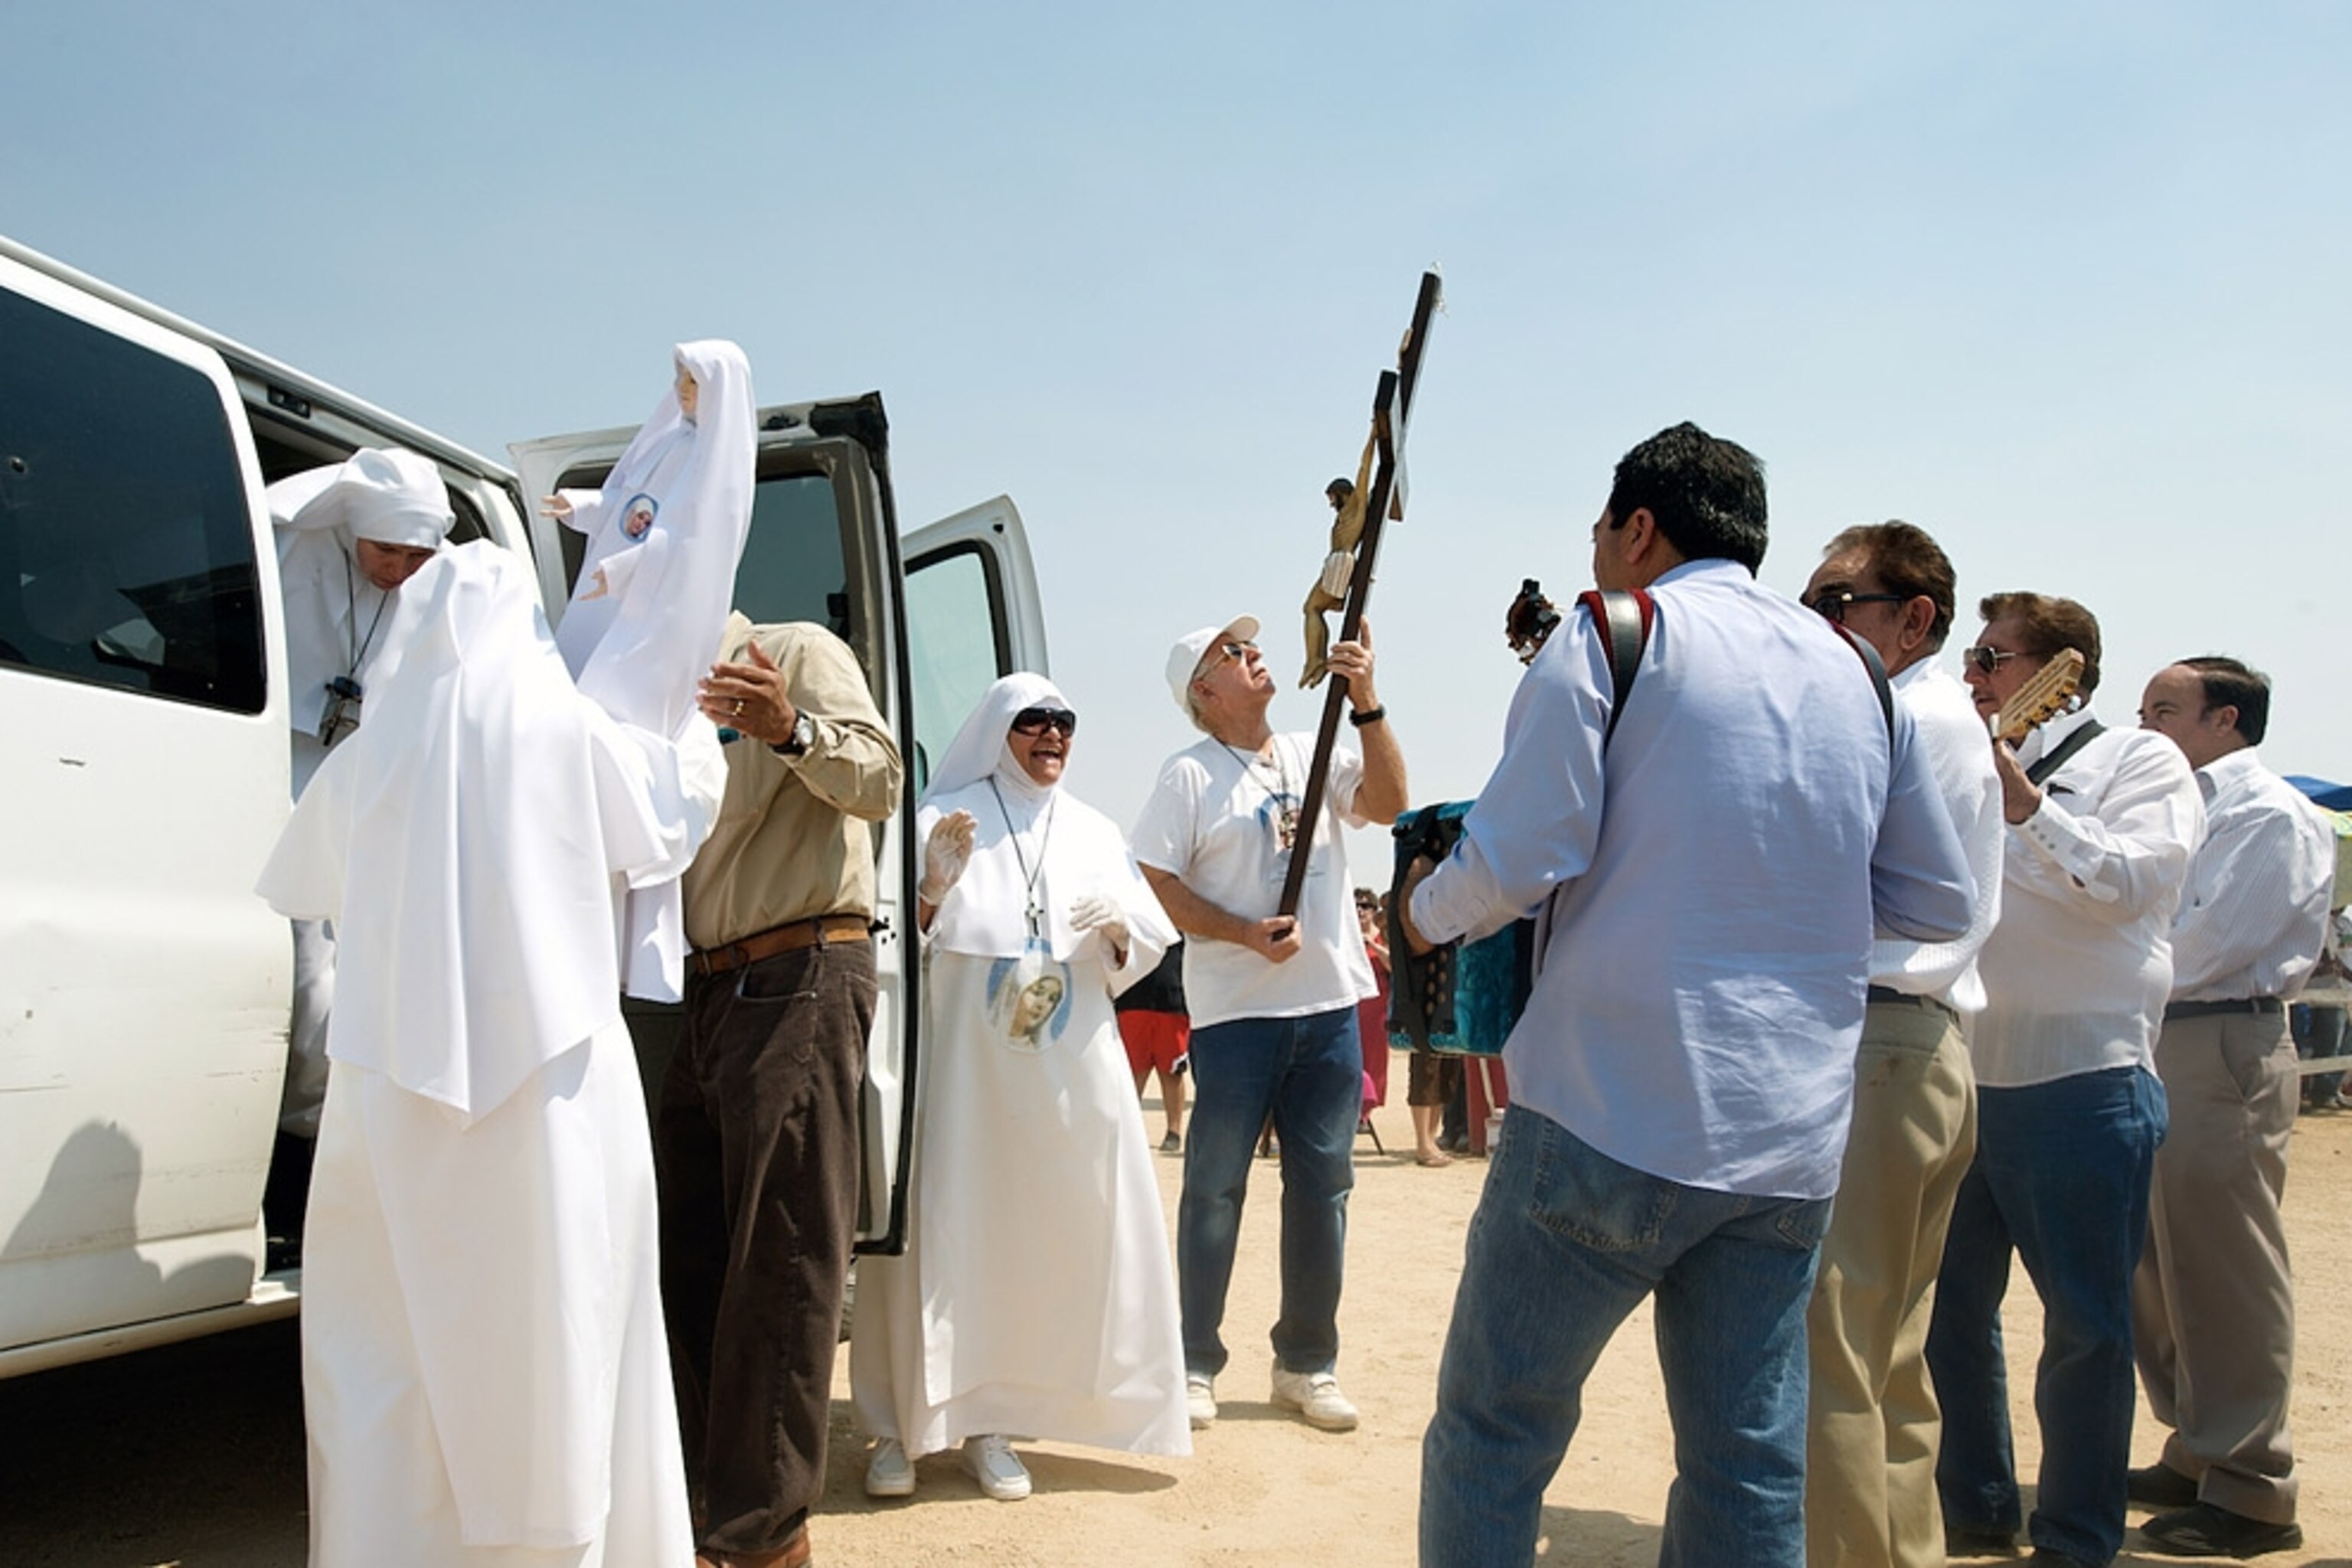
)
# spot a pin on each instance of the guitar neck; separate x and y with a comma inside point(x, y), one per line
point(2041, 698)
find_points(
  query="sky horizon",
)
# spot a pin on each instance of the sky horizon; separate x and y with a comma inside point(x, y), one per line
point(2064, 286)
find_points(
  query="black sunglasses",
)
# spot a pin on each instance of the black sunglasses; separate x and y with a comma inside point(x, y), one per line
point(1037, 721)
point(1987, 659)
point(1831, 603)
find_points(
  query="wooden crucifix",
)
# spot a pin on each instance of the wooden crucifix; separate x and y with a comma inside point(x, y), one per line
point(1392, 408)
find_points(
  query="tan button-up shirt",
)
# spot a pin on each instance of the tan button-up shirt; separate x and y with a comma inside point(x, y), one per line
point(791, 840)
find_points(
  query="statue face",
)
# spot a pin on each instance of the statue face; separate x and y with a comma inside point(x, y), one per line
point(689, 390)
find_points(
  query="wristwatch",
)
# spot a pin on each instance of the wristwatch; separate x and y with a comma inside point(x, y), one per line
point(797, 743)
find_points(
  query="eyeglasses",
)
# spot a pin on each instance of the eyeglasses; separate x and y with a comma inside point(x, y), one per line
point(1831, 603)
point(1985, 660)
point(1037, 721)
point(1241, 648)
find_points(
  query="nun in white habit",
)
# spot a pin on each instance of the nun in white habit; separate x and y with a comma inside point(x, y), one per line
point(486, 1376)
point(348, 536)
point(1035, 1296)
point(665, 535)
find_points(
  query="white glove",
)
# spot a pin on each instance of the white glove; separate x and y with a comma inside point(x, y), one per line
point(945, 854)
point(1338, 567)
point(1095, 913)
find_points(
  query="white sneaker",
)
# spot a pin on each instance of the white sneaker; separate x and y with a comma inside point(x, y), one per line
point(995, 1467)
point(887, 1473)
point(1200, 1398)
point(1316, 1397)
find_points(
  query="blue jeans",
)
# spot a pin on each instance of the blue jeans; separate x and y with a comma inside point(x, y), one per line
point(1308, 1074)
point(1565, 1244)
point(2061, 1173)
point(2319, 1032)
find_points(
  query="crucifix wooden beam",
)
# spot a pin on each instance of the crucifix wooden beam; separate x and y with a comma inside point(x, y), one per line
point(1392, 410)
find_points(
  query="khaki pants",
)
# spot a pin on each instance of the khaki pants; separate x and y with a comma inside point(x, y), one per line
point(1872, 1422)
point(2212, 1304)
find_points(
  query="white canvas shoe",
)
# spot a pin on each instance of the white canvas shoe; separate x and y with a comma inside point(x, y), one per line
point(1316, 1397)
point(887, 1473)
point(996, 1467)
point(1199, 1399)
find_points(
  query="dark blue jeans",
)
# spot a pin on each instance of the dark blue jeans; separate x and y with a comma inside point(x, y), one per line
point(1566, 1243)
point(1308, 1074)
point(2061, 1175)
point(2319, 1032)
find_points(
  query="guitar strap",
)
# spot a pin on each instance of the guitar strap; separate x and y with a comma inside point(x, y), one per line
point(2056, 757)
point(1625, 616)
point(1877, 668)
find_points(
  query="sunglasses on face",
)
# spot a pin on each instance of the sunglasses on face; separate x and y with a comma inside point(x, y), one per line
point(1037, 721)
point(1986, 661)
point(1831, 603)
point(1238, 649)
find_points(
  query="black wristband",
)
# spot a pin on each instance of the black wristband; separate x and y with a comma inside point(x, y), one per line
point(1368, 716)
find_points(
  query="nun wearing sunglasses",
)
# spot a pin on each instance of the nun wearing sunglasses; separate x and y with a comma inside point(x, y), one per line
point(1036, 1295)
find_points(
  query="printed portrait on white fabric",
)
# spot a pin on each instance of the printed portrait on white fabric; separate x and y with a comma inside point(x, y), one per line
point(1029, 1000)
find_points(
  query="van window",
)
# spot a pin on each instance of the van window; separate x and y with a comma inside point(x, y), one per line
point(954, 649)
point(792, 567)
point(126, 544)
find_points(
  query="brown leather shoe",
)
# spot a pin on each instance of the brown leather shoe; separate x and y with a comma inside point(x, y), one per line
point(793, 1553)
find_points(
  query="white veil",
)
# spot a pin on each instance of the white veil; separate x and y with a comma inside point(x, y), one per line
point(388, 495)
point(1027, 828)
point(665, 535)
point(465, 840)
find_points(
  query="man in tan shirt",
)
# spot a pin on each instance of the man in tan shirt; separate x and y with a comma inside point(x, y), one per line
point(756, 1136)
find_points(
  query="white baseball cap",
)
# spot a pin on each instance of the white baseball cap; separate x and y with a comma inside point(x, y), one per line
point(1192, 648)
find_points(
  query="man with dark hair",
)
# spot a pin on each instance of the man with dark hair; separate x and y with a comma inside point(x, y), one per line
point(2102, 824)
point(1872, 1423)
point(1681, 1075)
point(1706, 496)
point(2212, 1305)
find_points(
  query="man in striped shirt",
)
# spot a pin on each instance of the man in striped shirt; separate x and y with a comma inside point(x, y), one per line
point(2212, 1305)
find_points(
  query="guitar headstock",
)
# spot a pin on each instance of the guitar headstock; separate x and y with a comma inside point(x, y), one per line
point(2040, 698)
point(1530, 620)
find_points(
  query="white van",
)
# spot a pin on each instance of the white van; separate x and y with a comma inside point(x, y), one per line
point(143, 988)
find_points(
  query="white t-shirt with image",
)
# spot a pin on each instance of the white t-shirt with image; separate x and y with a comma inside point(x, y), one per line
point(1222, 820)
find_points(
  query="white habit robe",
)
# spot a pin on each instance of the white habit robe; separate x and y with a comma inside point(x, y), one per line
point(1035, 1297)
point(665, 536)
point(485, 1372)
point(334, 621)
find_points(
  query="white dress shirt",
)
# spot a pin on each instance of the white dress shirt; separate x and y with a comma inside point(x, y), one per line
point(2256, 911)
point(2077, 970)
point(1952, 738)
point(1709, 883)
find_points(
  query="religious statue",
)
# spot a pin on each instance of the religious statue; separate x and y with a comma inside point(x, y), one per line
point(1330, 590)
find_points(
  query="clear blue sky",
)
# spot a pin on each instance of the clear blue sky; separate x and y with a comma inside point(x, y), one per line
point(2065, 284)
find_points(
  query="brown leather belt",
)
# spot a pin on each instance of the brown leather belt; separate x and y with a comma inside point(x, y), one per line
point(815, 932)
point(1906, 999)
point(2253, 1006)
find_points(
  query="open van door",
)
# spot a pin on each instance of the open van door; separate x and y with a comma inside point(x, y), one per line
point(142, 986)
point(824, 547)
point(972, 616)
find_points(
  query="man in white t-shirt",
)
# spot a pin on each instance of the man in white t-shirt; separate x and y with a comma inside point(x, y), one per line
point(1273, 998)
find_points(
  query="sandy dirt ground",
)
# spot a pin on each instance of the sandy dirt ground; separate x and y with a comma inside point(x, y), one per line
point(192, 1457)
point(1261, 1488)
